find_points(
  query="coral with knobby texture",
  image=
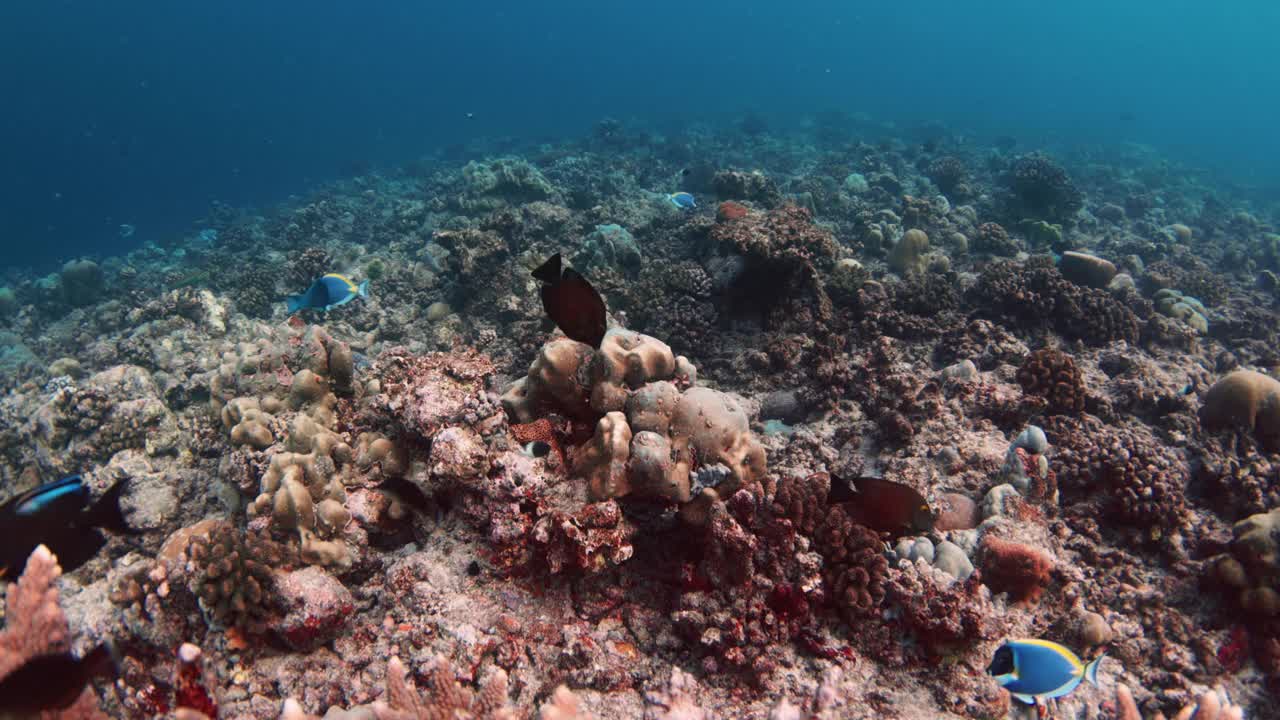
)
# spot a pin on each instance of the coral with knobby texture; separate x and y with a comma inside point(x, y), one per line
point(1245, 400)
point(1252, 569)
point(649, 436)
point(1142, 480)
point(35, 626)
point(854, 566)
point(1240, 483)
point(625, 362)
point(754, 588)
point(557, 380)
point(1053, 375)
point(993, 239)
point(1043, 189)
point(1189, 275)
point(1035, 296)
point(230, 572)
point(949, 174)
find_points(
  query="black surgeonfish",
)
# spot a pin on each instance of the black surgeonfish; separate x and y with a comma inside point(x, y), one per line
point(53, 682)
point(58, 515)
point(883, 505)
point(575, 306)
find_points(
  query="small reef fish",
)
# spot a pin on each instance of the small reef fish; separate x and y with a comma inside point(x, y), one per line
point(53, 682)
point(126, 231)
point(537, 449)
point(327, 293)
point(570, 301)
point(55, 515)
point(883, 505)
point(682, 200)
point(1034, 670)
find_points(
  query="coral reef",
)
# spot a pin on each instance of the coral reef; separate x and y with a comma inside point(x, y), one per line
point(648, 528)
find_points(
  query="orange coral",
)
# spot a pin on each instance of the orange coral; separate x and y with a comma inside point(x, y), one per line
point(1017, 569)
point(730, 210)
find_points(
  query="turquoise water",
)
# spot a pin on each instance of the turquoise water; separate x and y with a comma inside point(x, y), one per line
point(143, 113)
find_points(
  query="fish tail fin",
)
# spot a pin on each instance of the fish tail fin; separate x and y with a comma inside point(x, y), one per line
point(1091, 670)
point(363, 289)
point(294, 303)
point(106, 513)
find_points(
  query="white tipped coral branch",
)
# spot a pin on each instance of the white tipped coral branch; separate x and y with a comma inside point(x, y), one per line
point(35, 625)
point(1213, 705)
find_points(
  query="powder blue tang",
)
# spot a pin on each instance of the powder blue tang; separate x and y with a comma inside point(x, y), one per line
point(1033, 670)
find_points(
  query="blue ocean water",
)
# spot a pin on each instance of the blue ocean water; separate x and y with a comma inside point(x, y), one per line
point(145, 112)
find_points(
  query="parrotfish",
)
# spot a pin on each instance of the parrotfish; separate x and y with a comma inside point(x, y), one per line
point(575, 306)
point(327, 293)
point(682, 200)
point(53, 682)
point(58, 515)
point(883, 505)
point(1034, 670)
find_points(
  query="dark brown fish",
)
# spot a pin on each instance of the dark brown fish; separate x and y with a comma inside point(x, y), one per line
point(53, 682)
point(575, 306)
point(883, 505)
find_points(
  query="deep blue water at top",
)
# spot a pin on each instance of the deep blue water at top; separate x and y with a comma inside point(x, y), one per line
point(144, 112)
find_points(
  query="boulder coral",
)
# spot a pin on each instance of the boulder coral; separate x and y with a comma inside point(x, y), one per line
point(293, 418)
point(1245, 400)
point(651, 437)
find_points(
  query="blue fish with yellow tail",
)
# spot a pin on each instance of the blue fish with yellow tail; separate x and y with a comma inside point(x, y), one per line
point(682, 200)
point(328, 292)
point(1034, 670)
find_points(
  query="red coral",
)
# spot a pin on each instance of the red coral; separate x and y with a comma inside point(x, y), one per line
point(1014, 568)
point(1233, 653)
point(730, 210)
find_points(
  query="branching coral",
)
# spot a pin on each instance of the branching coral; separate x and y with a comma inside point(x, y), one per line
point(35, 626)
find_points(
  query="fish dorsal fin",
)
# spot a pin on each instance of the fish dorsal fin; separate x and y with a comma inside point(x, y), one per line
point(36, 499)
point(350, 285)
point(549, 271)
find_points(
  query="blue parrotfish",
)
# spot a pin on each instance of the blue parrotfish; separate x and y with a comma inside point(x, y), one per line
point(1035, 670)
point(328, 292)
point(682, 200)
point(58, 515)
